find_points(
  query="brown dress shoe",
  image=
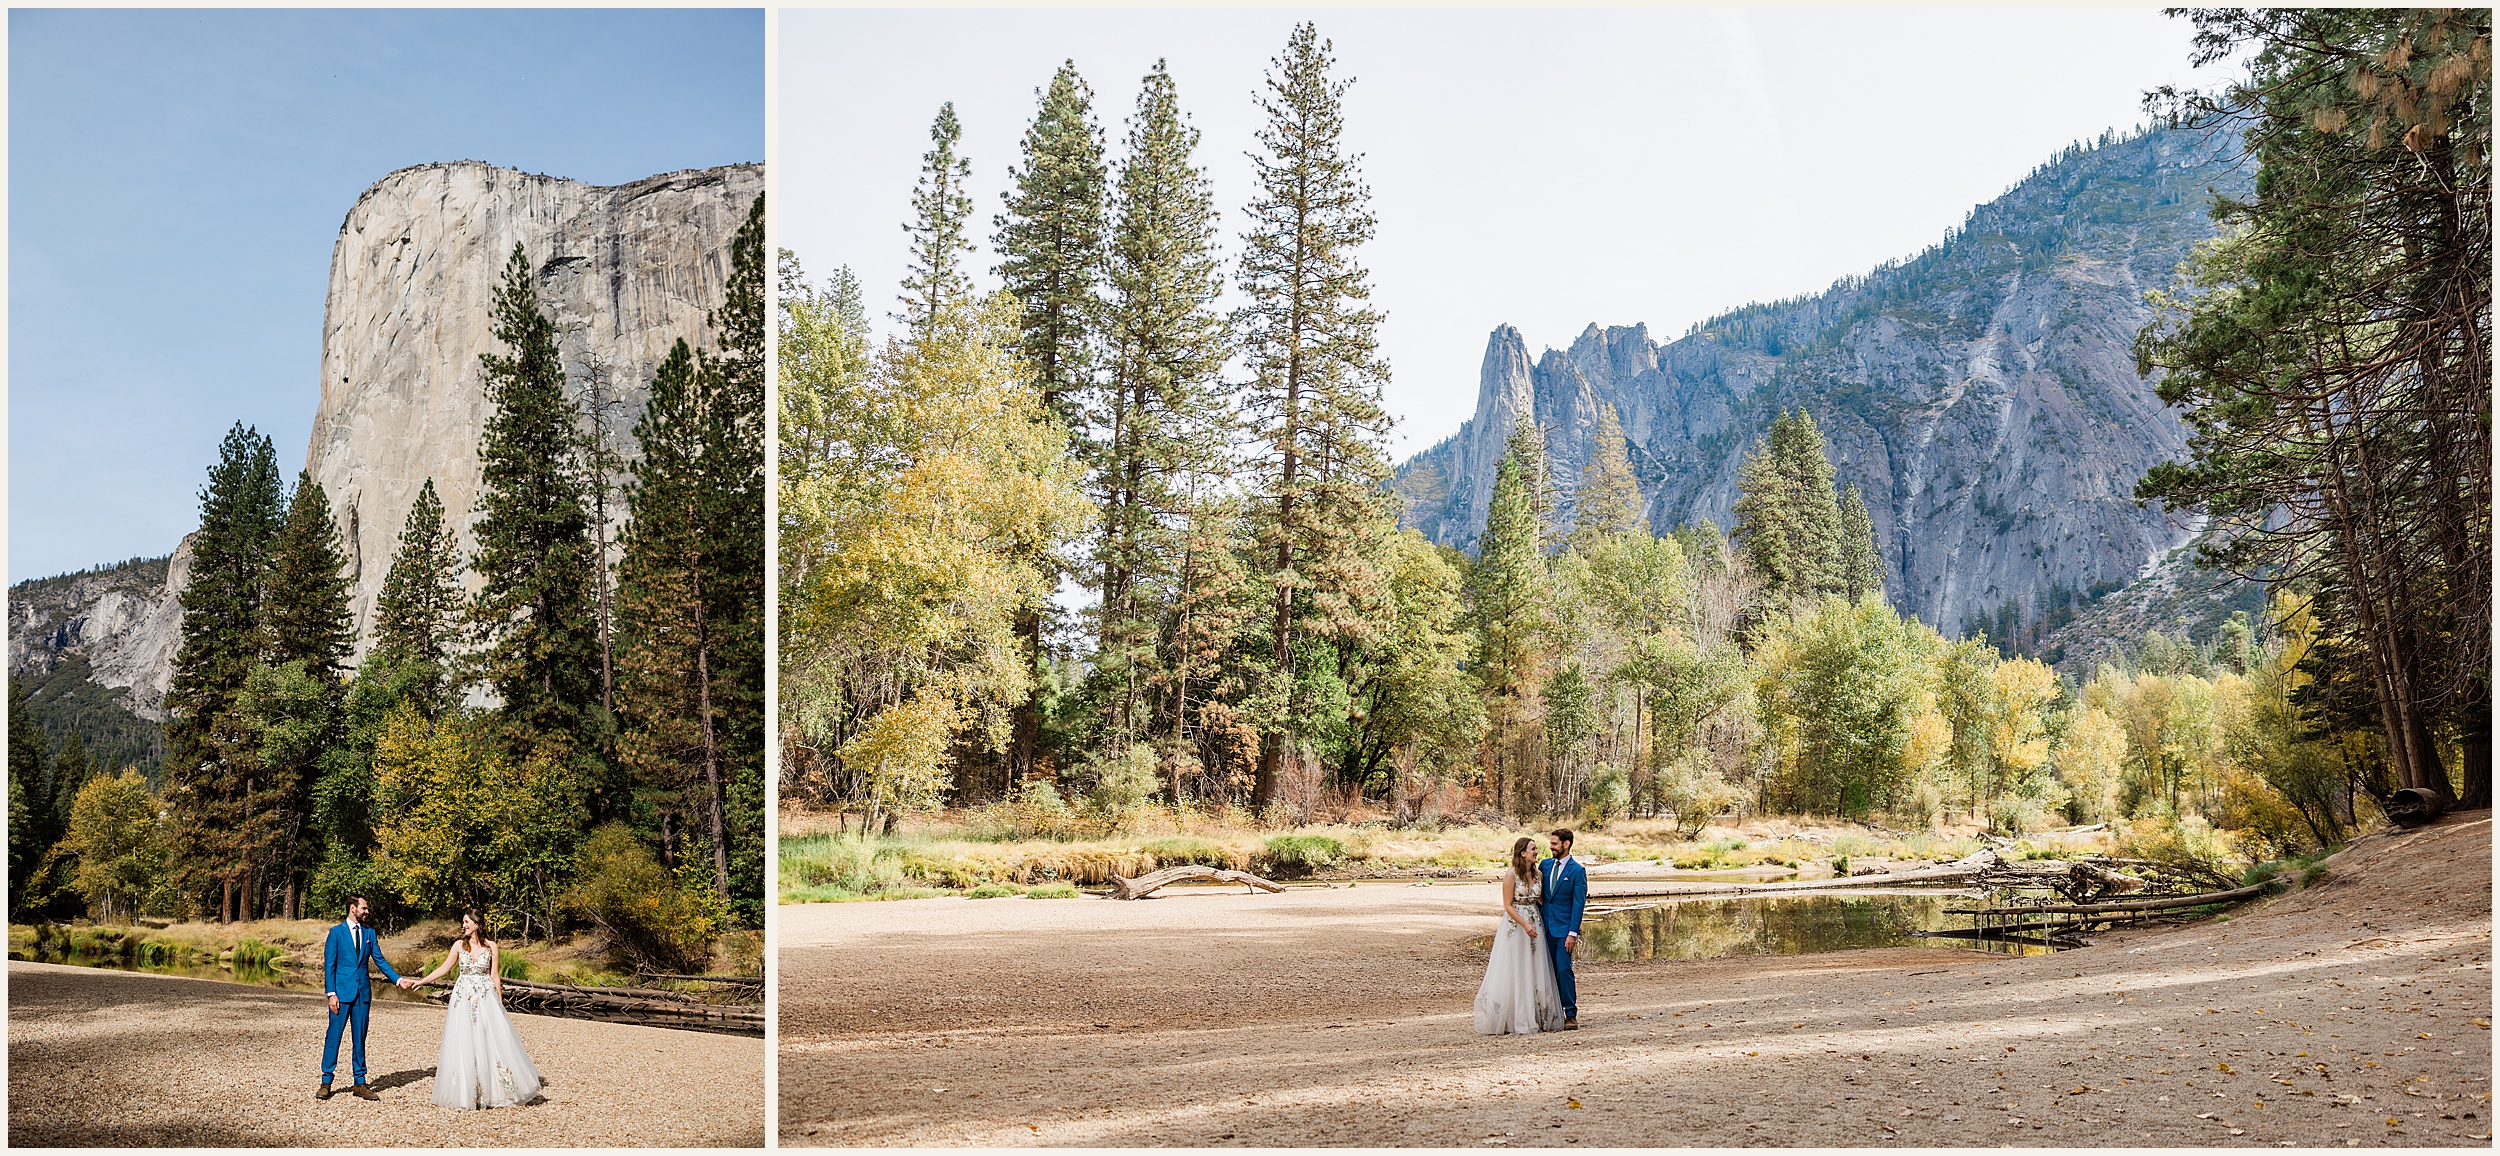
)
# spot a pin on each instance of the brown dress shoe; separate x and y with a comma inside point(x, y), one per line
point(1570, 1024)
point(362, 1092)
point(322, 1093)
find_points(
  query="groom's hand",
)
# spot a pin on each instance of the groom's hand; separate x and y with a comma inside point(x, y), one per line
point(407, 984)
point(1571, 942)
point(334, 1003)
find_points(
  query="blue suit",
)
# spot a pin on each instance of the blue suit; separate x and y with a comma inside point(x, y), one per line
point(1566, 898)
point(343, 974)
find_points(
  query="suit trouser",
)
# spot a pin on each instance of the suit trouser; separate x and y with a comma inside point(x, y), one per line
point(1562, 974)
point(352, 1014)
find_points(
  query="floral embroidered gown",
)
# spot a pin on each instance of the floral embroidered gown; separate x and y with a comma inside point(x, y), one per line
point(482, 1063)
point(1519, 993)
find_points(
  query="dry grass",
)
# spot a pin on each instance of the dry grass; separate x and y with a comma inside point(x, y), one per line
point(959, 851)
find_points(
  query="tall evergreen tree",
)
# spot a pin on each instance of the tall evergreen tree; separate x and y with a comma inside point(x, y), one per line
point(1050, 241)
point(1507, 594)
point(672, 733)
point(940, 209)
point(1788, 516)
point(241, 511)
point(71, 768)
point(1608, 501)
point(691, 591)
point(416, 617)
point(734, 445)
point(1050, 247)
point(535, 617)
point(27, 750)
point(1164, 412)
point(1310, 343)
point(308, 619)
point(1861, 566)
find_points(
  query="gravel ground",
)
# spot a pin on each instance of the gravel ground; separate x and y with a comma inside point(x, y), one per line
point(2353, 1012)
point(113, 1058)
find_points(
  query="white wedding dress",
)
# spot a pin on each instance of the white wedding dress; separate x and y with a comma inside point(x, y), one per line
point(482, 1064)
point(1519, 994)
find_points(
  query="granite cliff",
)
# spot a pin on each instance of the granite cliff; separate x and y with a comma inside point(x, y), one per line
point(1983, 394)
point(623, 270)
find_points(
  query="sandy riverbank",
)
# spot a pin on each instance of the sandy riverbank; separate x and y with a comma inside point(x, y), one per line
point(1343, 1017)
point(112, 1058)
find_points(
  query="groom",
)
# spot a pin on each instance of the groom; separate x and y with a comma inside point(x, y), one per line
point(1566, 897)
point(350, 989)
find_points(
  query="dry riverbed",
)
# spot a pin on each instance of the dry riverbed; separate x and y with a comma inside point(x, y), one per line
point(113, 1058)
point(2354, 1012)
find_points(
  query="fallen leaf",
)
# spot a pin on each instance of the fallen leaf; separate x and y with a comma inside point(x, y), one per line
point(2422, 1035)
point(2077, 1091)
point(2225, 1068)
point(1572, 1104)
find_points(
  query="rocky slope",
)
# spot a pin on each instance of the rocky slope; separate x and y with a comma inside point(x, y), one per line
point(1983, 393)
point(623, 270)
point(123, 621)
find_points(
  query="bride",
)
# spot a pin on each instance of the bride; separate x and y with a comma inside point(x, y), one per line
point(482, 1063)
point(1519, 994)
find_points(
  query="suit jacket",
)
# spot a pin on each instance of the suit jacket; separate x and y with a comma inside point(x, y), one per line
point(343, 957)
point(1566, 896)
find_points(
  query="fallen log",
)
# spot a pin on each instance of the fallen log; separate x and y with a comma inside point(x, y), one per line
point(2202, 900)
point(754, 980)
point(1960, 871)
point(1152, 881)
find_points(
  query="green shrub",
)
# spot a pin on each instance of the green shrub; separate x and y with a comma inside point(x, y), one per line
point(1055, 890)
point(1292, 856)
point(1840, 865)
point(252, 953)
point(1173, 851)
point(650, 919)
point(994, 891)
point(1123, 784)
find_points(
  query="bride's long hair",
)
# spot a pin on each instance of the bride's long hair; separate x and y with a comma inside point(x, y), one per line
point(478, 939)
point(1523, 857)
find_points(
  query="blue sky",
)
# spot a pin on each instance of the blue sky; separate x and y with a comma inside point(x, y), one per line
point(177, 178)
point(1547, 169)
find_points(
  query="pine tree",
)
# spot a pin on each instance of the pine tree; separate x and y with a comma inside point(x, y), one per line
point(940, 208)
point(27, 750)
point(416, 616)
point(308, 619)
point(1788, 517)
point(690, 590)
point(535, 616)
point(1862, 567)
point(734, 522)
point(672, 734)
point(1608, 501)
point(1050, 241)
point(1507, 597)
point(241, 511)
point(70, 770)
point(1164, 409)
point(1309, 341)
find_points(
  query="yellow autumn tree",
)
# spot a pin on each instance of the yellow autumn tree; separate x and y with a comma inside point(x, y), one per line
point(935, 483)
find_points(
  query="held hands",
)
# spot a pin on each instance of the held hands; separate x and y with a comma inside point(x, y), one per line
point(408, 983)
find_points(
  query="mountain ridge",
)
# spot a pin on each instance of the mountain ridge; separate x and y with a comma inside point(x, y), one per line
point(1982, 393)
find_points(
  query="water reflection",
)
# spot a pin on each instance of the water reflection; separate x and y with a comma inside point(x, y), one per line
point(192, 967)
point(1782, 925)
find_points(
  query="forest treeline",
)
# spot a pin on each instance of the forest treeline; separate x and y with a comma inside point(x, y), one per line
point(576, 742)
point(1257, 632)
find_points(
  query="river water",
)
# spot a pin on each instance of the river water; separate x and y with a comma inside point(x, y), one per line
point(1704, 928)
